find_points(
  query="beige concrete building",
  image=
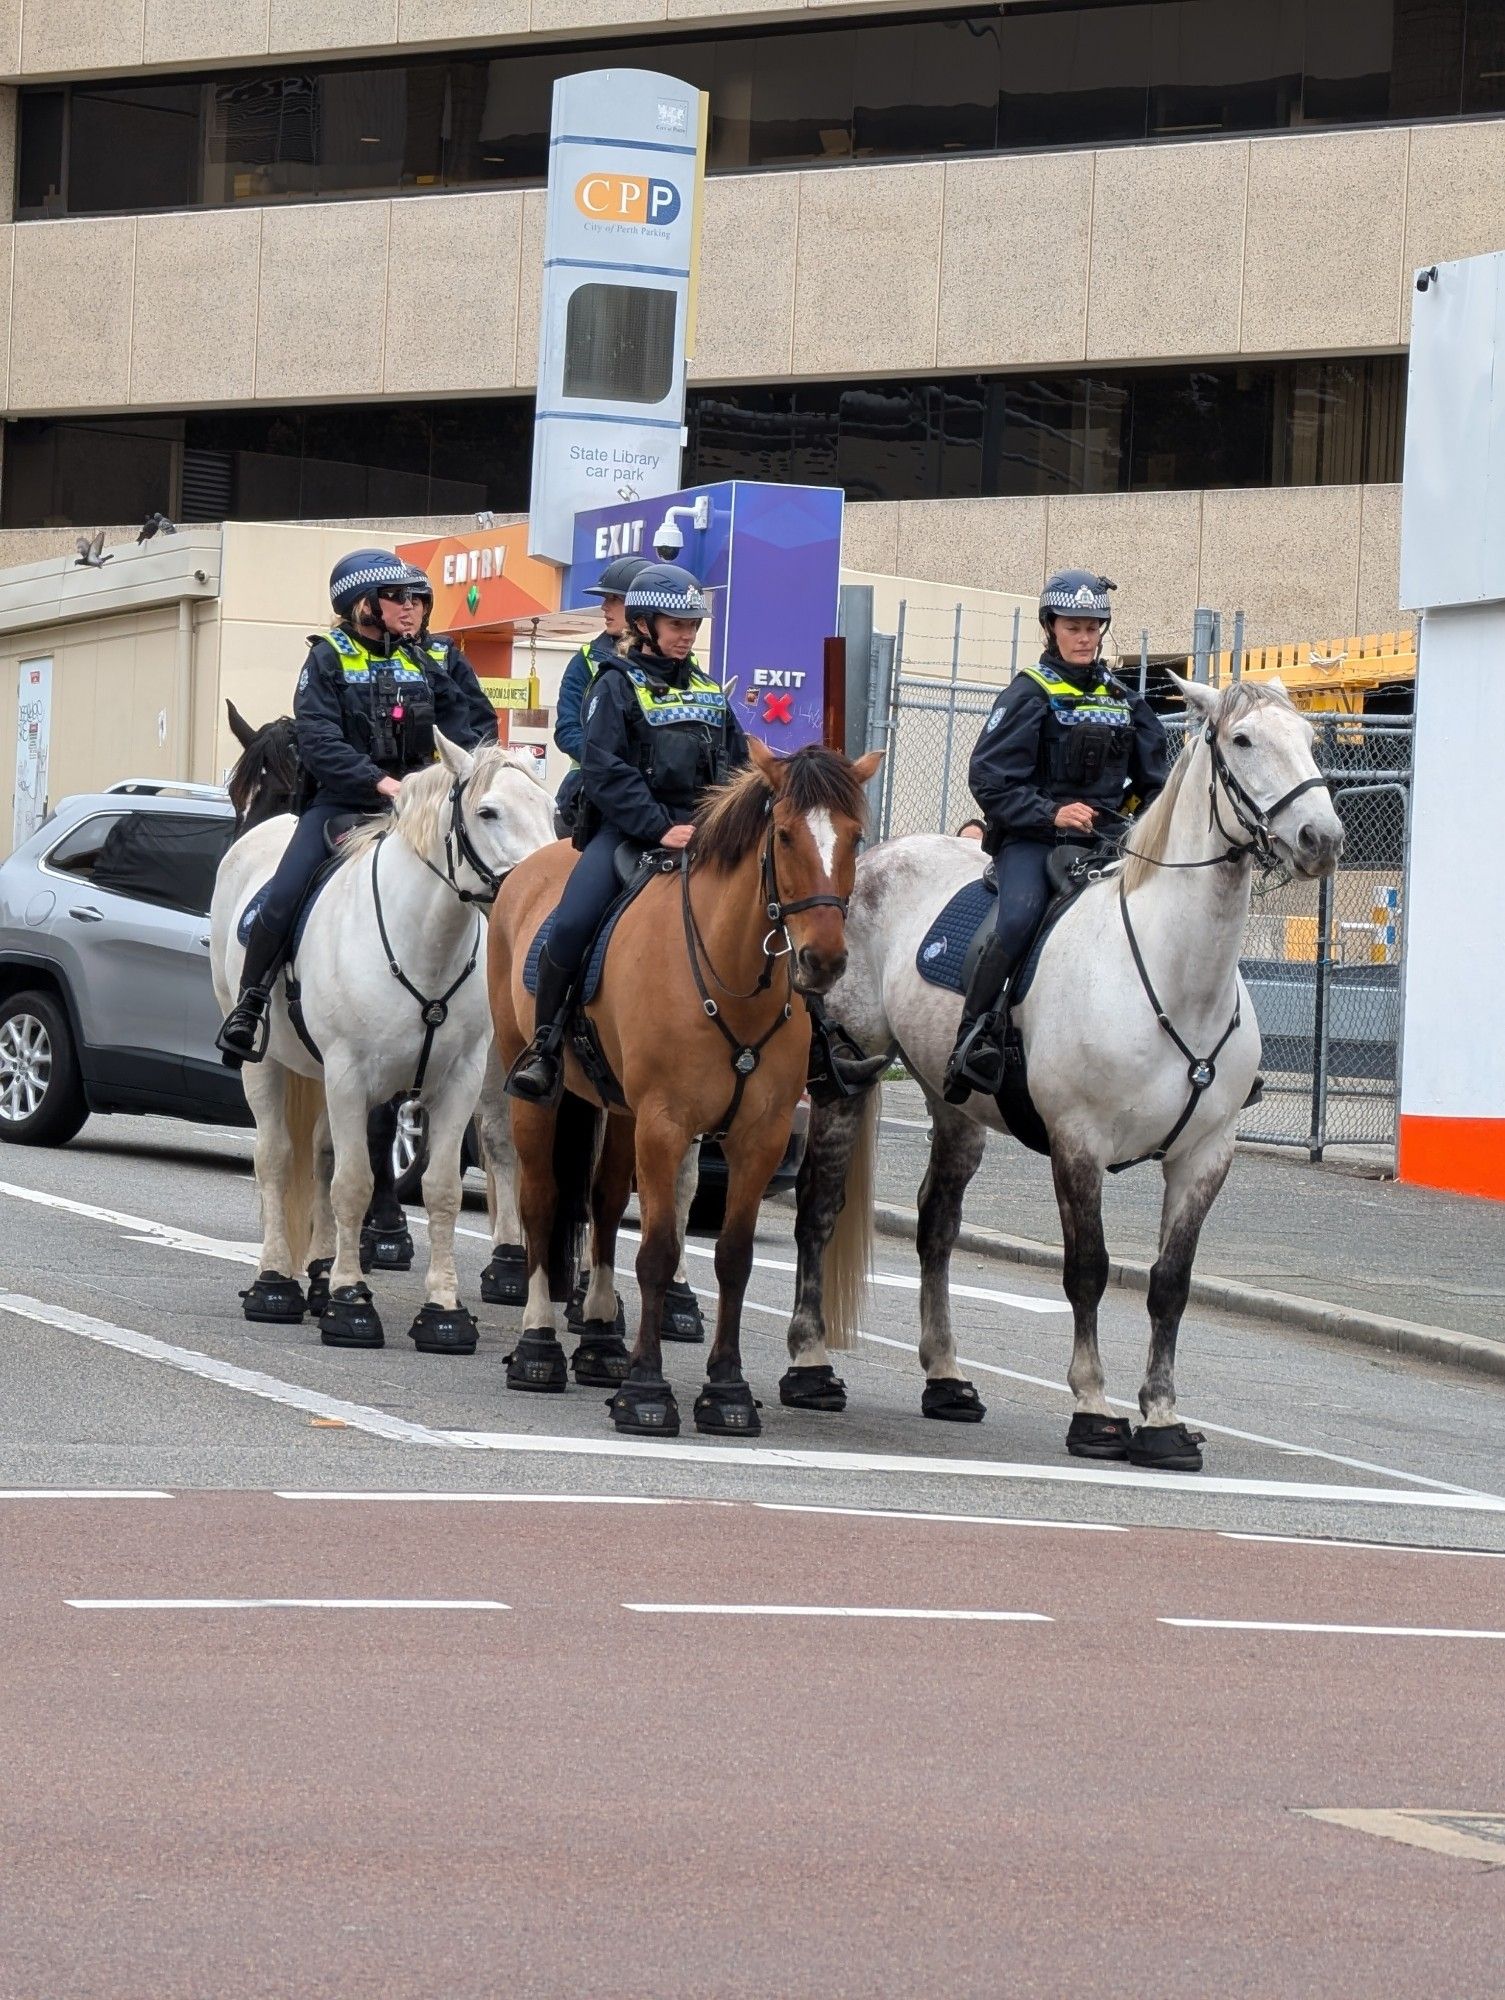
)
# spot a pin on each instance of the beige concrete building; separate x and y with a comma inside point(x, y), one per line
point(1137, 294)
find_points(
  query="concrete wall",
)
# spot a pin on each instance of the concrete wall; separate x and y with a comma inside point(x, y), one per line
point(1294, 245)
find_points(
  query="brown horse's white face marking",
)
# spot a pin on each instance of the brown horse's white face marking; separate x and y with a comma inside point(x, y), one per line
point(814, 855)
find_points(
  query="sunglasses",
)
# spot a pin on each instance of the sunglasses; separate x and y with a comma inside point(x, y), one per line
point(401, 594)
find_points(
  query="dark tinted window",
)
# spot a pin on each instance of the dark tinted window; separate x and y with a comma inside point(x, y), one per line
point(134, 146)
point(39, 156)
point(619, 343)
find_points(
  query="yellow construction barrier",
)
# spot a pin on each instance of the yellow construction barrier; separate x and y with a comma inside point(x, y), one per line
point(1333, 677)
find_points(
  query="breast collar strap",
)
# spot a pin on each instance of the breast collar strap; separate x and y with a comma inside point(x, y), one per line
point(432, 1012)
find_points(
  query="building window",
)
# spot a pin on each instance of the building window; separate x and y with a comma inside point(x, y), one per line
point(1132, 430)
point(1009, 78)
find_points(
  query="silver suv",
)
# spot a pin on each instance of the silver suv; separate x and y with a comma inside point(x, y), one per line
point(106, 1002)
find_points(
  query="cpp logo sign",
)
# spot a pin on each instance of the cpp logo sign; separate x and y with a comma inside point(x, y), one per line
point(627, 198)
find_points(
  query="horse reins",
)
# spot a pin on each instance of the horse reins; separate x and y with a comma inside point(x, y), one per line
point(746, 1055)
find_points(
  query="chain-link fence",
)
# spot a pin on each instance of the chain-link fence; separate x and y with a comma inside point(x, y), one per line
point(1322, 960)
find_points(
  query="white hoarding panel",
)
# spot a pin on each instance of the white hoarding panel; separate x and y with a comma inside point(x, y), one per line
point(1453, 499)
point(625, 160)
point(33, 747)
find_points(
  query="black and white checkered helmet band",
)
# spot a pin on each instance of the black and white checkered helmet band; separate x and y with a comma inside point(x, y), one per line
point(1077, 594)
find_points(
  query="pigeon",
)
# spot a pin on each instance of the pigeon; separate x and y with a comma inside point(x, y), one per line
point(154, 524)
point(90, 554)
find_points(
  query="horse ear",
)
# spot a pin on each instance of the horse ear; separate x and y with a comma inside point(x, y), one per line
point(1200, 698)
point(770, 765)
point(240, 729)
point(459, 763)
point(867, 766)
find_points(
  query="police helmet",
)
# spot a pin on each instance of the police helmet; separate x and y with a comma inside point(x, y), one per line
point(417, 581)
point(1076, 593)
point(363, 571)
point(618, 576)
point(666, 588)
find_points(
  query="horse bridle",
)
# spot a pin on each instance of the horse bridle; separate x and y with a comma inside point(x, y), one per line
point(1252, 818)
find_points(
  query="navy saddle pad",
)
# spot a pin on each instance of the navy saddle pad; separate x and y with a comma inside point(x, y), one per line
point(249, 914)
point(943, 950)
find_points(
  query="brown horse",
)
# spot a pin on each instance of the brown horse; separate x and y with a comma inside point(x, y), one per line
point(700, 1021)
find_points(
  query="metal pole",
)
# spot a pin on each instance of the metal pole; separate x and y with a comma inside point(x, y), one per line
point(1215, 647)
point(956, 656)
point(1014, 646)
point(1144, 658)
point(890, 710)
point(1201, 626)
point(880, 723)
point(1238, 645)
point(1317, 1138)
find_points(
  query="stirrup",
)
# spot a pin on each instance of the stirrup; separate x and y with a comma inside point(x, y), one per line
point(542, 1049)
point(839, 1066)
point(251, 1012)
point(977, 1061)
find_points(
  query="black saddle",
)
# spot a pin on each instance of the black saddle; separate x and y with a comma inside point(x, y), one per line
point(338, 830)
point(1067, 870)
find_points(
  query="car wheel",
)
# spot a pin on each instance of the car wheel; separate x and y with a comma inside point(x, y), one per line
point(41, 1093)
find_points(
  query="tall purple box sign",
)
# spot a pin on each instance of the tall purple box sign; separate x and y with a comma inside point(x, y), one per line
point(769, 558)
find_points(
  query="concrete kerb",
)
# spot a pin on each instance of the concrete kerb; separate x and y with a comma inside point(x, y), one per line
point(1394, 1336)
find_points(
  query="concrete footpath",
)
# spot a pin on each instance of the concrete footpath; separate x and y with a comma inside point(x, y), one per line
point(1333, 1248)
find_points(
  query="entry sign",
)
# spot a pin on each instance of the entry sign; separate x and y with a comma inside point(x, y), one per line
point(626, 160)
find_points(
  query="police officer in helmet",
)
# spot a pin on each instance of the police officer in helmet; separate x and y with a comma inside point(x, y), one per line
point(657, 734)
point(372, 692)
point(569, 730)
point(1065, 746)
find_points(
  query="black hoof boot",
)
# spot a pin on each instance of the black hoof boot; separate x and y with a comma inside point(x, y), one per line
point(349, 1320)
point(274, 1298)
point(728, 1409)
point(600, 1360)
point(537, 1363)
point(1089, 1436)
point(318, 1284)
point(954, 1402)
point(644, 1408)
point(386, 1249)
point(683, 1319)
point(443, 1330)
point(1167, 1448)
point(812, 1389)
point(574, 1312)
point(504, 1282)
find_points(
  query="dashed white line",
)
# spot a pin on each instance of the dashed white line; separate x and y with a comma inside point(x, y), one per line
point(82, 1493)
point(511, 1499)
point(1343, 1631)
point(285, 1604)
point(1378, 1548)
point(838, 1611)
point(965, 1520)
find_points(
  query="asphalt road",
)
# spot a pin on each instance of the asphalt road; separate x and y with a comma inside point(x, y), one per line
point(567, 1713)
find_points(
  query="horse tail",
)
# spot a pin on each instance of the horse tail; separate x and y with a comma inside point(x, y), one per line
point(849, 1254)
point(577, 1133)
point(304, 1104)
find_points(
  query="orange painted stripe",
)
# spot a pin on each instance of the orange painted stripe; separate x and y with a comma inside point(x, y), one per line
point(1461, 1155)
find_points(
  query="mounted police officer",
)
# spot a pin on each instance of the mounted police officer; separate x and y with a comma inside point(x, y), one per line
point(1065, 745)
point(657, 734)
point(372, 692)
point(569, 730)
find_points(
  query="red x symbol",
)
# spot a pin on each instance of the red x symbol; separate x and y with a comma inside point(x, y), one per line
point(778, 708)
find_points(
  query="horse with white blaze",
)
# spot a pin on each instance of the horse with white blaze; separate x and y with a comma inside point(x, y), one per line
point(1140, 1041)
point(389, 977)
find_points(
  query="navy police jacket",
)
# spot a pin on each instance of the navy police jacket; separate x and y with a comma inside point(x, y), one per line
point(652, 747)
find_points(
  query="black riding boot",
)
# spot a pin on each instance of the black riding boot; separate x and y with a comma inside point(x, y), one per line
point(243, 1037)
point(536, 1073)
point(839, 1066)
point(977, 1060)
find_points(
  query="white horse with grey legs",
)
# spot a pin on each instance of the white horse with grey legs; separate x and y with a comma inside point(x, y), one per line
point(1141, 1044)
point(390, 972)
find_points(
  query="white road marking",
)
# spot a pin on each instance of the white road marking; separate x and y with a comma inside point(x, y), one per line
point(251, 1381)
point(966, 1520)
point(838, 1611)
point(1356, 1631)
point(285, 1604)
point(1381, 1548)
point(515, 1499)
point(82, 1493)
point(141, 1227)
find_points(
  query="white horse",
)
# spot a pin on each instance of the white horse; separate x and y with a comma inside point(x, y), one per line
point(1141, 1043)
point(390, 971)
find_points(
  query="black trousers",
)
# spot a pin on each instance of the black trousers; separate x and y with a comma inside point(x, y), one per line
point(1023, 893)
point(589, 892)
point(301, 859)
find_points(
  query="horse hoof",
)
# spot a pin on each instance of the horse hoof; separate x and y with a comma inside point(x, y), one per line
point(1091, 1436)
point(443, 1330)
point(274, 1298)
point(574, 1313)
point(318, 1284)
point(683, 1319)
point(1167, 1448)
point(728, 1409)
point(349, 1320)
point(953, 1401)
point(812, 1389)
point(504, 1282)
point(537, 1363)
point(646, 1409)
point(601, 1360)
point(386, 1249)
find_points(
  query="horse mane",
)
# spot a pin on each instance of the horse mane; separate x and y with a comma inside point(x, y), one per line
point(1151, 832)
point(731, 819)
point(422, 806)
point(267, 768)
